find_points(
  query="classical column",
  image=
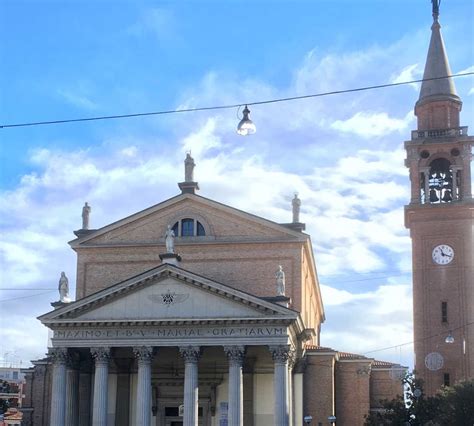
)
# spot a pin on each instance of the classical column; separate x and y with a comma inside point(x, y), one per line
point(191, 356)
point(58, 393)
point(280, 356)
point(144, 355)
point(426, 173)
point(235, 355)
point(455, 170)
point(291, 364)
point(72, 391)
point(99, 407)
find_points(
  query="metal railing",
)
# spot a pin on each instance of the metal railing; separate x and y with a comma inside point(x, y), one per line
point(439, 133)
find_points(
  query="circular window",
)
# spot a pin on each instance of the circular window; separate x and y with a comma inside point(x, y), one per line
point(424, 154)
point(455, 152)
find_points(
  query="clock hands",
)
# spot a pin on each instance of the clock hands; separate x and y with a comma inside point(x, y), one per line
point(445, 254)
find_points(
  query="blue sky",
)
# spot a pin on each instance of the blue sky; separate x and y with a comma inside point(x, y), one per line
point(343, 154)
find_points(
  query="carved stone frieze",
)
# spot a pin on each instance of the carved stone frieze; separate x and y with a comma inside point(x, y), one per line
point(190, 353)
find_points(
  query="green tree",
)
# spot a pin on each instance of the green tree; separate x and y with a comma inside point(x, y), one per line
point(456, 404)
point(414, 408)
point(451, 406)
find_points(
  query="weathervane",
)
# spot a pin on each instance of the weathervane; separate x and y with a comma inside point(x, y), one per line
point(436, 4)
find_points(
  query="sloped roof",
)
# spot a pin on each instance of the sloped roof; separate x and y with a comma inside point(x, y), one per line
point(68, 312)
point(93, 233)
point(437, 65)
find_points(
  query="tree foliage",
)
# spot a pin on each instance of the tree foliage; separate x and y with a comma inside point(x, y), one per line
point(451, 406)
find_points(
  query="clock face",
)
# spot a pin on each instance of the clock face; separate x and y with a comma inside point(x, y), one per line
point(443, 254)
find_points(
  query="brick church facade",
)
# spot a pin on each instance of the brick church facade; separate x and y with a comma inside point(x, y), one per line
point(201, 328)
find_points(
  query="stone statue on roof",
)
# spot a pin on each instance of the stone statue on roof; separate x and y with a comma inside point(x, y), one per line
point(280, 281)
point(189, 168)
point(63, 289)
point(86, 211)
point(296, 203)
point(169, 240)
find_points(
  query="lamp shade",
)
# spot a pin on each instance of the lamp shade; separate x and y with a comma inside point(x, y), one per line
point(246, 126)
point(449, 338)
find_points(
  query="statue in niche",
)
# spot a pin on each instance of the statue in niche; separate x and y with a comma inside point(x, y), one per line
point(296, 203)
point(169, 240)
point(280, 281)
point(189, 168)
point(64, 289)
point(86, 211)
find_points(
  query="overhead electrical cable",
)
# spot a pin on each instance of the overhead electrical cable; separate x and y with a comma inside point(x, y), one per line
point(237, 105)
point(419, 340)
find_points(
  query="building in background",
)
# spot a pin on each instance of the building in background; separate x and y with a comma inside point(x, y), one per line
point(440, 217)
point(12, 386)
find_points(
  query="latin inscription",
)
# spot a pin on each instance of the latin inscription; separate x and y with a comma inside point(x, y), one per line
point(120, 333)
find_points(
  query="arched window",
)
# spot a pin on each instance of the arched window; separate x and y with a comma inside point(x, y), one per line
point(440, 181)
point(188, 227)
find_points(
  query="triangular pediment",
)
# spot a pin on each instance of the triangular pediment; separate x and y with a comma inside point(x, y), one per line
point(167, 294)
point(220, 221)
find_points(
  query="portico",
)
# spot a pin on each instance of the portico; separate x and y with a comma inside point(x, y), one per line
point(169, 347)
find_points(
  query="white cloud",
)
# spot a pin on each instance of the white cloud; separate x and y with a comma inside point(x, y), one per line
point(158, 21)
point(353, 189)
point(370, 124)
point(409, 73)
point(76, 99)
point(369, 321)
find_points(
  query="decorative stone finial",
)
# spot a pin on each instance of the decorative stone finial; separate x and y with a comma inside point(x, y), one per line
point(188, 186)
point(64, 289)
point(86, 211)
point(280, 281)
point(296, 204)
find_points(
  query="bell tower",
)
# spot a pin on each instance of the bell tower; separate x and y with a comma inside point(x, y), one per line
point(440, 218)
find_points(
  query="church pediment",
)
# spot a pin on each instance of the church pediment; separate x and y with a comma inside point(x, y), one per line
point(218, 221)
point(167, 294)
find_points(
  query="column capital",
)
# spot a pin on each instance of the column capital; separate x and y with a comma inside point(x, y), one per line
point(190, 353)
point(235, 353)
point(281, 353)
point(143, 353)
point(101, 354)
point(58, 355)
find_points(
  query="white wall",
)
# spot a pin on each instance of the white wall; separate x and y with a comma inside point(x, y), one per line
point(263, 404)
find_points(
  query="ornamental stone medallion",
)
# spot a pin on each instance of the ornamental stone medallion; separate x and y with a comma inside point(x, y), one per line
point(169, 298)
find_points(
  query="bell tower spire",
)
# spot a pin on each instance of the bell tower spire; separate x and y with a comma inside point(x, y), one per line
point(438, 106)
point(440, 218)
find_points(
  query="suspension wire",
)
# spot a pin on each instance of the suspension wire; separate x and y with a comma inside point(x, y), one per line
point(221, 107)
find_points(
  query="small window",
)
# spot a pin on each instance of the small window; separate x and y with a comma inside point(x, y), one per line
point(446, 379)
point(176, 229)
point(187, 228)
point(200, 229)
point(15, 375)
point(444, 311)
